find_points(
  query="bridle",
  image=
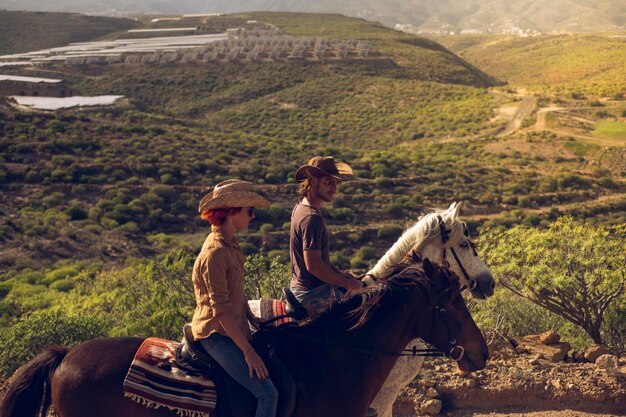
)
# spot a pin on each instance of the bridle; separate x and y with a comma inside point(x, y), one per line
point(445, 237)
point(457, 351)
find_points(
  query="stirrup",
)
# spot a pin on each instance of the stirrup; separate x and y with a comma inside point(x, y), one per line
point(293, 307)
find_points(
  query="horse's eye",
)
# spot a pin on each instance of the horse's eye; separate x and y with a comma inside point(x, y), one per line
point(464, 245)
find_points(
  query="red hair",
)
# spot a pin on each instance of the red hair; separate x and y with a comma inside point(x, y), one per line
point(217, 217)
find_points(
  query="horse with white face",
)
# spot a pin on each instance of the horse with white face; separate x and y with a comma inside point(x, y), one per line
point(437, 236)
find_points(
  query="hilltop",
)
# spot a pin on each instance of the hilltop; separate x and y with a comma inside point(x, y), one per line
point(567, 64)
point(30, 31)
point(487, 16)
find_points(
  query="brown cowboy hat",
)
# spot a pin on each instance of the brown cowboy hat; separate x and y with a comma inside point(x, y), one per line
point(232, 193)
point(322, 166)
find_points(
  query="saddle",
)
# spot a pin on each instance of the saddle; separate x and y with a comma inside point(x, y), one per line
point(233, 399)
point(293, 307)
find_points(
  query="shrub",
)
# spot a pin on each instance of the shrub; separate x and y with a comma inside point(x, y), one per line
point(63, 285)
point(281, 255)
point(357, 262)
point(367, 252)
point(76, 211)
point(339, 260)
point(389, 231)
point(265, 277)
point(32, 333)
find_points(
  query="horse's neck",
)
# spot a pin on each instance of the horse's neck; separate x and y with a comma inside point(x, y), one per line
point(411, 238)
point(370, 346)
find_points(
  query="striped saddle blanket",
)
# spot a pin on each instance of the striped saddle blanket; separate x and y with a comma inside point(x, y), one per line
point(270, 308)
point(155, 380)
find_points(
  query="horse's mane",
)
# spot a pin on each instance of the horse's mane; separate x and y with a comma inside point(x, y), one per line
point(416, 237)
point(356, 308)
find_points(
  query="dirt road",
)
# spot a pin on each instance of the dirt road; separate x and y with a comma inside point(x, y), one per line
point(526, 413)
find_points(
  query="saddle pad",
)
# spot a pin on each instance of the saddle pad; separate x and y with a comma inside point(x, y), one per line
point(155, 380)
point(271, 308)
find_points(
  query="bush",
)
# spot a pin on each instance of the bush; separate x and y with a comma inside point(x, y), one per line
point(24, 340)
point(63, 285)
point(76, 211)
point(281, 254)
point(339, 260)
point(389, 232)
point(357, 262)
point(265, 277)
point(367, 252)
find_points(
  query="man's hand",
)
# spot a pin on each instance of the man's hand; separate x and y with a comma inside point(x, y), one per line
point(352, 283)
point(349, 274)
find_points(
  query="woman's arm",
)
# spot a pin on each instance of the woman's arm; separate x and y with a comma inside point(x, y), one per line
point(254, 361)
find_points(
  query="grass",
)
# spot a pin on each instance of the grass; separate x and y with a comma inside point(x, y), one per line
point(611, 130)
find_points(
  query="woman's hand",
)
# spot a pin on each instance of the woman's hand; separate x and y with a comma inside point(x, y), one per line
point(256, 365)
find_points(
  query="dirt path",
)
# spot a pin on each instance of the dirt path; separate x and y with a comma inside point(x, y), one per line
point(541, 117)
point(525, 110)
point(526, 413)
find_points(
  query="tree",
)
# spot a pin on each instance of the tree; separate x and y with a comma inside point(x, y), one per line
point(571, 269)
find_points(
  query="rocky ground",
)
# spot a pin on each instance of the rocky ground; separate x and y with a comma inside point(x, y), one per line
point(517, 385)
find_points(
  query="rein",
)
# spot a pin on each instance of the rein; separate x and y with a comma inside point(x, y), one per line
point(456, 353)
point(413, 352)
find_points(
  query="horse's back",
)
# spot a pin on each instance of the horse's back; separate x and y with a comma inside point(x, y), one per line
point(89, 381)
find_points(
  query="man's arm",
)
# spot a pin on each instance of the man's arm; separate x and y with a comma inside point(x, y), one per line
point(324, 272)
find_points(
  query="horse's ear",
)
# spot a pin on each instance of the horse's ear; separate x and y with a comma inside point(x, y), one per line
point(416, 256)
point(456, 210)
point(429, 269)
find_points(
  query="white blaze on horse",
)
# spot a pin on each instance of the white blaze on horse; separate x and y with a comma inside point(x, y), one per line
point(436, 236)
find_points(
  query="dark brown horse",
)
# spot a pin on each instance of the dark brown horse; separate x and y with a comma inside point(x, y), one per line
point(337, 377)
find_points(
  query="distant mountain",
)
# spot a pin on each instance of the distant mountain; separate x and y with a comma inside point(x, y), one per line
point(497, 16)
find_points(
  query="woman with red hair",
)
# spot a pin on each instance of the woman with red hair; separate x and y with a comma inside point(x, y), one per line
point(220, 321)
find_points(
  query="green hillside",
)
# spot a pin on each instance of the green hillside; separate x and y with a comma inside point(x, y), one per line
point(98, 215)
point(31, 31)
point(586, 64)
point(415, 121)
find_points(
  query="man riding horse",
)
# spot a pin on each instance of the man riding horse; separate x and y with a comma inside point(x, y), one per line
point(314, 277)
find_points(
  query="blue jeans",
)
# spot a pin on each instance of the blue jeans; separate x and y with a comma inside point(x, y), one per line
point(313, 298)
point(231, 358)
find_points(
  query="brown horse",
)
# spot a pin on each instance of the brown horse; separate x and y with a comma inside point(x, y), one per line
point(339, 360)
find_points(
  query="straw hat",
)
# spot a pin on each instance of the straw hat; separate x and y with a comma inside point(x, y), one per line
point(232, 193)
point(322, 166)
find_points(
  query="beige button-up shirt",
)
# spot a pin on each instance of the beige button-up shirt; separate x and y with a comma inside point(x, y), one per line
point(218, 285)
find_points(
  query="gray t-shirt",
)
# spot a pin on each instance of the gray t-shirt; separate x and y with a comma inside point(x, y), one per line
point(308, 232)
